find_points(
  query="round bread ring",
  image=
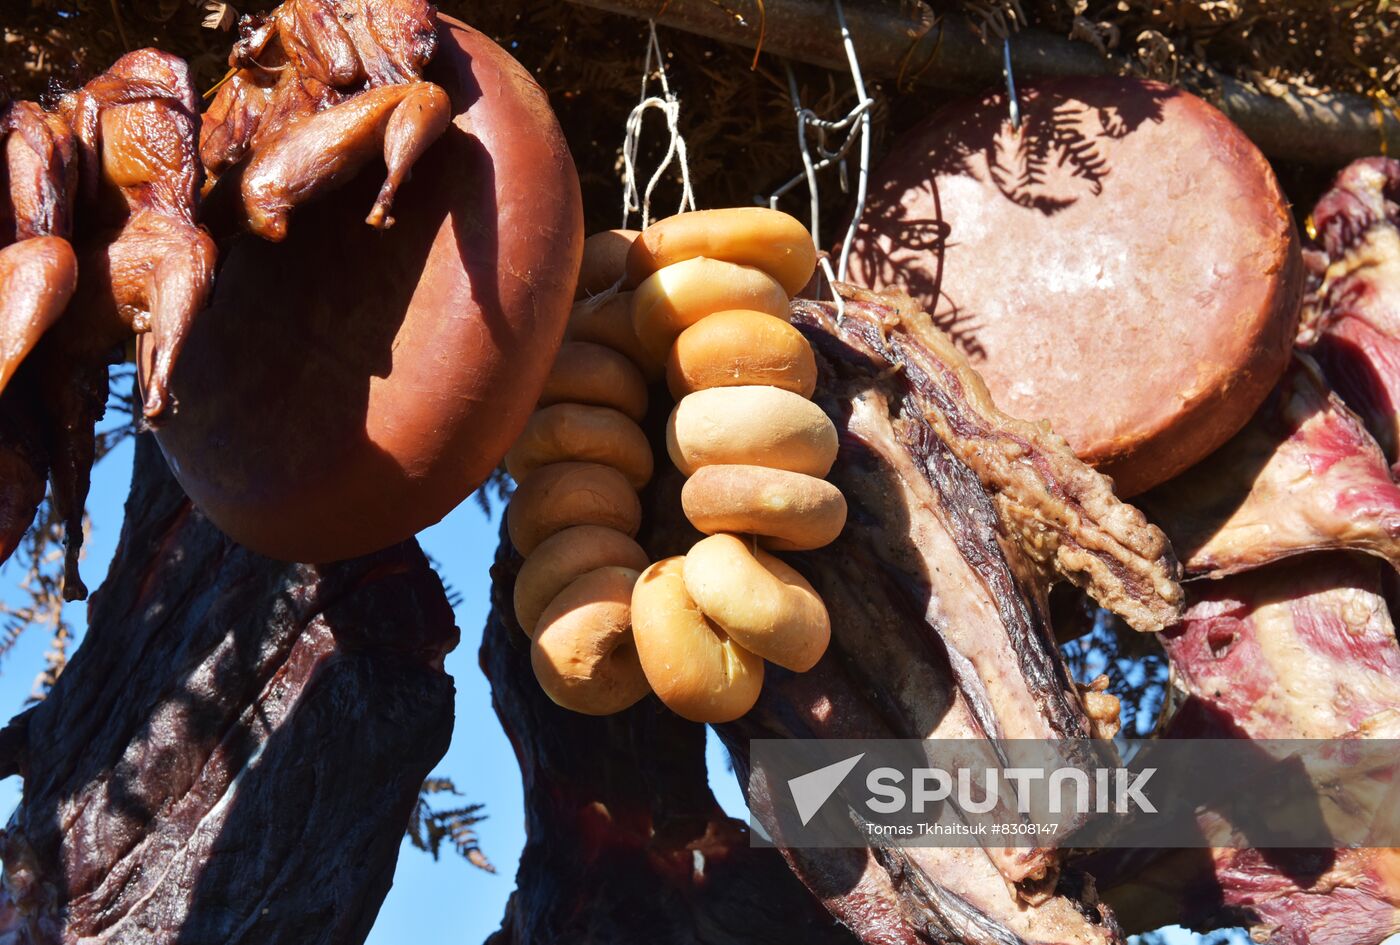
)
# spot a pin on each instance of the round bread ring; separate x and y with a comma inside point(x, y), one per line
point(608, 322)
point(604, 261)
point(564, 556)
point(582, 654)
point(552, 498)
point(578, 433)
point(694, 667)
point(788, 511)
point(740, 349)
point(674, 298)
point(750, 236)
point(751, 426)
point(767, 607)
point(588, 373)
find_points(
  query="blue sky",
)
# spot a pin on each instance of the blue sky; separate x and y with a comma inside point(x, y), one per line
point(447, 901)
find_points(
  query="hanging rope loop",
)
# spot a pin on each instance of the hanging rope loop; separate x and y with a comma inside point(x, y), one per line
point(670, 107)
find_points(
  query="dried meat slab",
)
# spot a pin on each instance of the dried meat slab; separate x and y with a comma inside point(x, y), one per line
point(1053, 510)
point(232, 754)
point(24, 465)
point(959, 516)
point(1351, 312)
point(1300, 649)
point(1303, 475)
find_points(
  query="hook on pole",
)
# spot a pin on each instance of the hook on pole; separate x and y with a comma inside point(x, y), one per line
point(1012, 101)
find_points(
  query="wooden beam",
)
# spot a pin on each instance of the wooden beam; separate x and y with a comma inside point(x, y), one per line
point(1326, 128)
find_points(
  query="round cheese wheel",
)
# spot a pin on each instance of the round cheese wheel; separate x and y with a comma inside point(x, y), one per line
point(1124, 265)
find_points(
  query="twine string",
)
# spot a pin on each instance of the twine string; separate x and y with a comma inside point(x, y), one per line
point(670, 107)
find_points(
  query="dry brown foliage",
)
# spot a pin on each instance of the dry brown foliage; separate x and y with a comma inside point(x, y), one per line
point(737, 118)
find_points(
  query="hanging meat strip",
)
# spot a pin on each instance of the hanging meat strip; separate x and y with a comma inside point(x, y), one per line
point(38, 273)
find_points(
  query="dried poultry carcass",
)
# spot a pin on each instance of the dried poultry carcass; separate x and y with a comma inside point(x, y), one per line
point(959, 516)
point(147, 266)
point(38, 273)
point(318, 88)
point(154, 266)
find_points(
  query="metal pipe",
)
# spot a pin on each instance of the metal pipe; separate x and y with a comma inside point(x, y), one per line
point(1327, 128)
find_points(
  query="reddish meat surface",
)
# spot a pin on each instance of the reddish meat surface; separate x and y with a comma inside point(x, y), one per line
point(1303, 475)
point(1300, 649)
point(1351, 317)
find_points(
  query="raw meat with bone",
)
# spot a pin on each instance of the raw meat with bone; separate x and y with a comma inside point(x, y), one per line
point(1303, 475)
point(232, 754)
point(943, 633)
point(1351, 312)
point(1299, 649)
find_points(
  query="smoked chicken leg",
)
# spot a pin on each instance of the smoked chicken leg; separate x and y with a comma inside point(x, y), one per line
point(38, 270)
point(37, 277)
point(318, 153)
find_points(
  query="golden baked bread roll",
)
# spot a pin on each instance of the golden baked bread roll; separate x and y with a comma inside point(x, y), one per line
point(582, 653)
point(555, 497)
point(564, 556)
point(789, 511)
point(604, 261)
point(674, 298)
point(580, 433)
point(608, 322)
point(695, 668)
point(754, 426)
point(750, 236)
point(738, 349)
point(767, 607)
point(594, 374)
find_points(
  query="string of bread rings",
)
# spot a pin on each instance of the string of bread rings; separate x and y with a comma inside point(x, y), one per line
point(707, 310)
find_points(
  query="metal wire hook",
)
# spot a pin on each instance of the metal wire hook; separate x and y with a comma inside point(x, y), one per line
point(1012, 101)
point(855, 128)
